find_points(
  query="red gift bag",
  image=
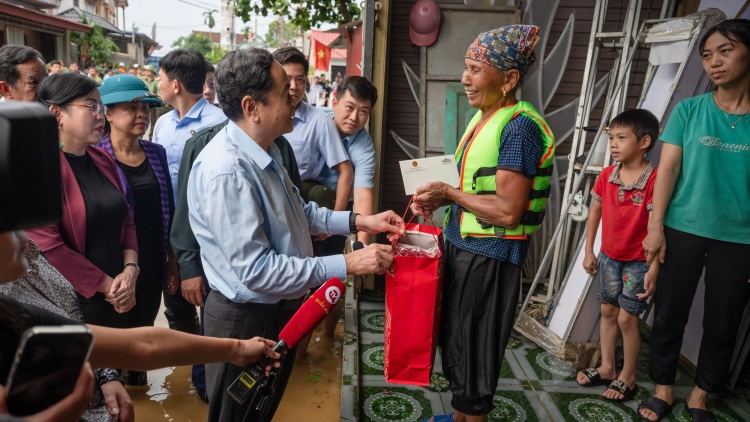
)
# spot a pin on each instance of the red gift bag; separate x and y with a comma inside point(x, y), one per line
point(413, 293)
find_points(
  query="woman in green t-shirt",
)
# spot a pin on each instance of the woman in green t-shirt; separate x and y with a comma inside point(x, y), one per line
point(700, 221)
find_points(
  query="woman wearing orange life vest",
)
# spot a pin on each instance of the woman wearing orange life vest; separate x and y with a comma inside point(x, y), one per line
point(505, 160)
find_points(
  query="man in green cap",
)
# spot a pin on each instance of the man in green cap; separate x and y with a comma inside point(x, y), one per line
point(93, 74)
point(153, 85)
point(148, 77)
point(149, 73)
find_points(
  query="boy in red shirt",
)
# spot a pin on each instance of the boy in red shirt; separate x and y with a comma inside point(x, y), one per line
point(623, 194)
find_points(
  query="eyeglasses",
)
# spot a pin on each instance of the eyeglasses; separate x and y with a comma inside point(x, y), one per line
point(94, 107)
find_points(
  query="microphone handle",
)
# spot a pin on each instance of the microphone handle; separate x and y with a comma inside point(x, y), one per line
point(279, 348)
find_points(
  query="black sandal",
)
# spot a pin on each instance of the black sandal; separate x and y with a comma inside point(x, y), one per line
point(700, 415)
point(622, 388)
point(595, 378)
point(656, 405)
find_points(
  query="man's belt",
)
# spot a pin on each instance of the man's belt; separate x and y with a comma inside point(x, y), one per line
point(282, 305)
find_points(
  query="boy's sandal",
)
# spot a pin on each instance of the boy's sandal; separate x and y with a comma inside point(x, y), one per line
point(441, 418)
point(656, 405)
point(595, 378)
point(622, 388)
point(700, 415)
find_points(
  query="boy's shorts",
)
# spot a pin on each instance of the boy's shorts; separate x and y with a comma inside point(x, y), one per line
point(620, 282)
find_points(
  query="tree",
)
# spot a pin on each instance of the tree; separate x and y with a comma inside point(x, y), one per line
point(209, 18)
point(198, 42)
point(94, 47)
point(305, 13)
point(272, 36)
point(216, 55)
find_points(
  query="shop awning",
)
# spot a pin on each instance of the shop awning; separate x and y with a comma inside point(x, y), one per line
point(41, 18)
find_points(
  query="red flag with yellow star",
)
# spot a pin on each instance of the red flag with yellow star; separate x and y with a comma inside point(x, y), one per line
point(322, 56)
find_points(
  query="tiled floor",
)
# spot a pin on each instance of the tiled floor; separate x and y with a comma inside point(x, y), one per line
point(534, 385)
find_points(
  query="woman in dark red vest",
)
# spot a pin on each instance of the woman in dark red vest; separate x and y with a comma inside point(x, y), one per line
point(94, 245)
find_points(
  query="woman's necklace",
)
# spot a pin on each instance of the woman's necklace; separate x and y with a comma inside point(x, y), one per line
point(733, 125)
point(738, 120)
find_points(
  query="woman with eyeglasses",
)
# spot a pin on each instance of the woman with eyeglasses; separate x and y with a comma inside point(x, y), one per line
point(94, 245)
point(144, 173)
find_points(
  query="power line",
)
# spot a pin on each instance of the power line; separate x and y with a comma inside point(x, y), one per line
point(207, 4)
point(195, 5)
point(169, 27)
point(199, 3)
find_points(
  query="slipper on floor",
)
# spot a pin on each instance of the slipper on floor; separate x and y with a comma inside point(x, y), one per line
point(700, 415)
point(595, 378)
point(656, 405)
point(441, 418)
point(622, 388)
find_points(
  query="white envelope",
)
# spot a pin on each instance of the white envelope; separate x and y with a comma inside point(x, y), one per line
point(422, 171)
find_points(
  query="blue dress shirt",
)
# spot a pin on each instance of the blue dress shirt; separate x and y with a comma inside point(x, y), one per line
point(315, 141)
point(252, 225)
point(172, 133)
point(362, 154)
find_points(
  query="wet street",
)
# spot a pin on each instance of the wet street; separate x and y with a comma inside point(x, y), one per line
point(313, 393)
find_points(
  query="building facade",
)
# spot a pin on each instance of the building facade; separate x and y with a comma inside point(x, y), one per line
point(29, 23)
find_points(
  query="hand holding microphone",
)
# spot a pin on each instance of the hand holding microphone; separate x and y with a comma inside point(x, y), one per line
point(255, 379)
point(254, 350)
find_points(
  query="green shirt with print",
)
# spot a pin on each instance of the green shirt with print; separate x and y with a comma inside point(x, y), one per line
point(712, 195)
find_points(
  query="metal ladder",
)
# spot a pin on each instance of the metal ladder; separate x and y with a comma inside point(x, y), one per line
point(568, 235)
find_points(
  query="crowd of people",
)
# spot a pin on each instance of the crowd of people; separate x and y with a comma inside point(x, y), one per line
point(134, 229)
point(101, 72)
point(321, 91)
point(241, 203)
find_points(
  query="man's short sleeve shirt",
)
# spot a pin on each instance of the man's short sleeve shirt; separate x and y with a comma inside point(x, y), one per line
point(315, 141)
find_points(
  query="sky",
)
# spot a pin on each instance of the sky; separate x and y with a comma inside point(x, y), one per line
point(175, 18)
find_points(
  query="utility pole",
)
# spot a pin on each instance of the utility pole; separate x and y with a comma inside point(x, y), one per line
point(227, 36)
point(280, 36)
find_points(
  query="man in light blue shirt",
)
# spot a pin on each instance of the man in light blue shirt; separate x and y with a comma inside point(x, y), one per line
point(254, 229)
point(352, 106)
point(315, 88)
point(183, 75)
point(315, 141)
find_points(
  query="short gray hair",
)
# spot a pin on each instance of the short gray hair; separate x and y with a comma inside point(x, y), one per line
point(243, 73)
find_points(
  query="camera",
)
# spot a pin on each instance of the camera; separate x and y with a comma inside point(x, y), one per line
point(30, 181)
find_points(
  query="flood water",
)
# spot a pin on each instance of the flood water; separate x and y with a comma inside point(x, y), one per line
point(313, 393)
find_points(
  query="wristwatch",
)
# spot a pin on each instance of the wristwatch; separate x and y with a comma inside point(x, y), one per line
point(352, 225)
point(133, 264)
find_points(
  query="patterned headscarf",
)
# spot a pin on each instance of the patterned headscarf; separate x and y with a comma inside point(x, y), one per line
point(509, 47)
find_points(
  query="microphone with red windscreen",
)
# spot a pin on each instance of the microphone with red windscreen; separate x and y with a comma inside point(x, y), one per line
point(304, 321)
point(312, 312)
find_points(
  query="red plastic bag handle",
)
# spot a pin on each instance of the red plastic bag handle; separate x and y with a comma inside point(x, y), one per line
point(429, 220)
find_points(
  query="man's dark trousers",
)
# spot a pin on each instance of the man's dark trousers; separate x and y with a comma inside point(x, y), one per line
point(180, 313)
point(199, 371)
point(226, 319)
